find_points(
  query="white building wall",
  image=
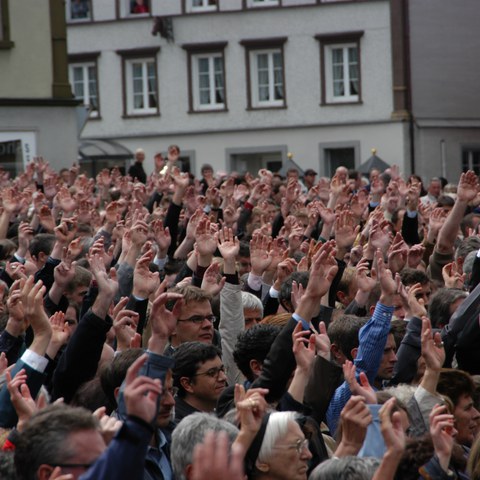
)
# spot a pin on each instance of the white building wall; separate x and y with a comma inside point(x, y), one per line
point(304, 143)
point(26, 69)
point(202, 132)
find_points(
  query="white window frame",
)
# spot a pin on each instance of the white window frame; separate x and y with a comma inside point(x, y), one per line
point(255, 100)
point(204, 7)
point(68, 11)
point(329, 89)
point(125, 10)
point(213, 105)
point(144, 61)
point(262, 3)
point(86, 84)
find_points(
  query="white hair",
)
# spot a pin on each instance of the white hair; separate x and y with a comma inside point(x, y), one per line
point(277, 427)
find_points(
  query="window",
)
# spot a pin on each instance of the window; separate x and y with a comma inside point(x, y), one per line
point(265, 73)
point(471, 159)
point(78, 10)
point(133, 8)
point(140, 81)
point(206, 71)
point(208, 81)
point(201, 5)
point(141, 86)
point(263, 3)
point(5, 26)
point(83, 78)
point(340, 68)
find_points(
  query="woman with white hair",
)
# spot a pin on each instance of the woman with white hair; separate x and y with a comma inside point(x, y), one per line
point(280, 450)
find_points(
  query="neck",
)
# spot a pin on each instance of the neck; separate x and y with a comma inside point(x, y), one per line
point(378, 383)
point(201, 404)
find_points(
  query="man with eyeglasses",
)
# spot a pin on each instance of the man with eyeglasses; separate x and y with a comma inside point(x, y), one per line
point(199, 375)
point(195, 319)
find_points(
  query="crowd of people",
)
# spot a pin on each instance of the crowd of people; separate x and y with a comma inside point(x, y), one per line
point(238, 325)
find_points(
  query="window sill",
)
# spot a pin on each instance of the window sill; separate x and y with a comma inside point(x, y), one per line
point(79, 21)
point(339, 104)
point(209, 110)
point(6, 45)
point(129, 116)
point(267, 107)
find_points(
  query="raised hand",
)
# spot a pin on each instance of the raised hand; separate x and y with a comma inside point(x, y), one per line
point(205, 239)
point(65, 200)
point(322, 342)
point(227, 244)
point(416, 306)
point(259, 257)
point(35, 314)
point(392, 429)
point(453, 276)
point(303, 347)
point(354, 419)
point(415, 255)
point(323, 270)
point(141, 392)
point(107, 285)
point(364, 389)
point(20, 397)
point(162, 237)
point(397, 254)
point(213, 460)
point(388, 285)
point(433, 351)
point(145, 282)
point(46, 219)
point(210, 282)
point(163, 321)
point(467, 187)
point(60, 334)
point(251, 407)
point(443, 433)
point(346, 230)
point(125, 324)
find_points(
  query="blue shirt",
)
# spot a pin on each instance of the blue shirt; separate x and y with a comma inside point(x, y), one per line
point(372, 340)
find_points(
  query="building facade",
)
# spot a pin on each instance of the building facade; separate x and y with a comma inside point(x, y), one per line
point(245, 84)
point(37, 110)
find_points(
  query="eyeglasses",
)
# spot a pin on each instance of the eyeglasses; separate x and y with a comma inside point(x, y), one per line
point(213, 372)
point(172, 391)
point(85, 466)
point(198, 319)
point(299, 446)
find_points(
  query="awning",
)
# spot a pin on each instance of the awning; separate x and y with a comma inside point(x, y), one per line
point(103, 149)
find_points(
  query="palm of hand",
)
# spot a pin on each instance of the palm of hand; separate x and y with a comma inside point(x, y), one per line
point(206, 244)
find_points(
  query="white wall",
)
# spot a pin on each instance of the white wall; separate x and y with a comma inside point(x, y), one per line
point(26, 69)
point(302, 66)
point(304, 143)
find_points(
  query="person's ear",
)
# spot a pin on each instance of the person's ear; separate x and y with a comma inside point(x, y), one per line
point(255, 367)
point(335, 351)
point(263, 467)
point(44, 472)
point(340, 296)
point(186, 384)
point(371, 310)
point(188, 471)
point(353, 352)
point(116, 392)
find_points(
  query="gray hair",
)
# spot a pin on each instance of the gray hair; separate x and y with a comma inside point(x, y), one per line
point(402, 392)
point(251, 301)
point(190, 432)
point(46, 438)
point(277, 427)
point(346, 468)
